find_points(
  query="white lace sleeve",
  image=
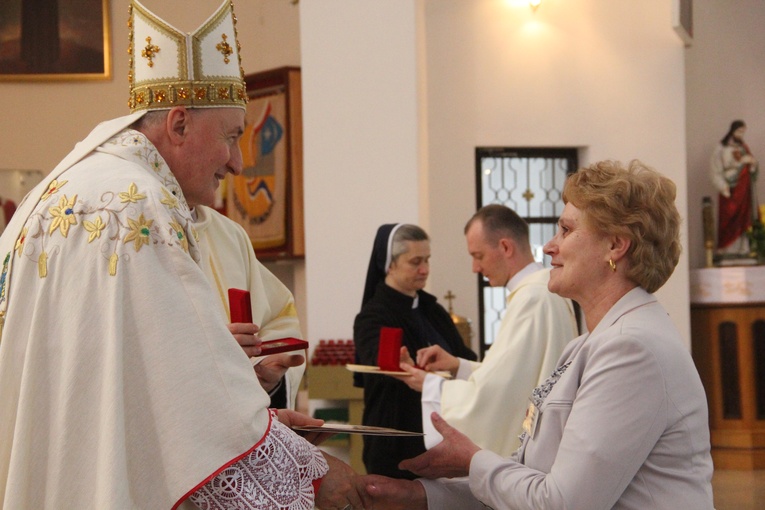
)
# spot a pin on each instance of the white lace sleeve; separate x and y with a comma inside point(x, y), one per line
point(276, 475)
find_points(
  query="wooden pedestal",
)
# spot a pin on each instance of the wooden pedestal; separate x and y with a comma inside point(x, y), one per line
point(729, 351)
point(335, 382)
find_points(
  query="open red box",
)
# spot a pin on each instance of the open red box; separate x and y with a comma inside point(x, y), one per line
point(241, 311)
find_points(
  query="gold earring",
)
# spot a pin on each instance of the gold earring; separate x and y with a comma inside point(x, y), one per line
point(612, 264)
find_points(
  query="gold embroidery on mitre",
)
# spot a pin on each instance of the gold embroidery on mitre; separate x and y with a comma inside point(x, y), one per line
point(225, 48)
point(181, 77)
point(149, 51)
point(160, 96)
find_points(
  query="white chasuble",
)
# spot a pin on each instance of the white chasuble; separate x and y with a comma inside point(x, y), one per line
point(120, 384)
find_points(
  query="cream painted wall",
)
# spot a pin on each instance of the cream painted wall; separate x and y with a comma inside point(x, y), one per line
point(606, 77)
point(41, 121)
point(603, 76)
point(361, 147)
point(725, 81)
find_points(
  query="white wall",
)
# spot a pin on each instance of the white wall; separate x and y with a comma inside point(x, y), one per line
point(361, 150)
point(725, 81)
point(606, 77)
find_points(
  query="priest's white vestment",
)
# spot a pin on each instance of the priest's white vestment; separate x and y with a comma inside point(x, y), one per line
point(229, 261)
point(488, 400)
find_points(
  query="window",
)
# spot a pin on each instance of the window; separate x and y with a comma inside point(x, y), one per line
point(529, 181)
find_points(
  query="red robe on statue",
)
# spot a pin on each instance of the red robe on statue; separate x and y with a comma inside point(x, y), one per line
point(735, 212)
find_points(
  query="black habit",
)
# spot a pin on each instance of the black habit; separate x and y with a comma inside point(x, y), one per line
point(387, 401)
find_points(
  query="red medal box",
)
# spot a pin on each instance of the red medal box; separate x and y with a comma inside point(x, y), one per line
point(241, 311)
point(282, 345)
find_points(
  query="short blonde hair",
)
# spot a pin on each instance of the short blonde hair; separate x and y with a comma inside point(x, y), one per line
point(636, 203)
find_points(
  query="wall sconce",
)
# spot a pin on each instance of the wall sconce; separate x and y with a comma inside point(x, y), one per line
point(534, 4)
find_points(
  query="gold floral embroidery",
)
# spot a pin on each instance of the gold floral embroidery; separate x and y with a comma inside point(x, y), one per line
point(94, 227)
point(113, 264)
point(132, 195)
point(53, 187)
point(20, 242)
point(140, 230)
point(169, 200)
point(42, 265)
point(180, 234)
point(156, 162)
point(104, 220)
point(63, 216)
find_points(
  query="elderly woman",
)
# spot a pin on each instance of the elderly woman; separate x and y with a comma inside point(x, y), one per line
point(622, 422)
point(393, 297)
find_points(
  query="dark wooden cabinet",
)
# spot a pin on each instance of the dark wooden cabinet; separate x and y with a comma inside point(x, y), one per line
point(729, 350)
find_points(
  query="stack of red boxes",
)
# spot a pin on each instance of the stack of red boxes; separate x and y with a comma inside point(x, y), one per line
point(333, 352)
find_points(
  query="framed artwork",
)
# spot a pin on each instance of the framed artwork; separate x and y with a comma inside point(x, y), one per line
point(682, 20)
point(267, 198)
point(54, 40)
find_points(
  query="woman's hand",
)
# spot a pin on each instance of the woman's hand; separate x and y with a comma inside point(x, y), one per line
point(449, 458)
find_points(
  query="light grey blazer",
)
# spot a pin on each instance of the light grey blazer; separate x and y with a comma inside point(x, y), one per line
point(624, 427)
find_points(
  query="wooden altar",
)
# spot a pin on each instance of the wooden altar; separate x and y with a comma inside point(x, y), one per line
point(728, 343)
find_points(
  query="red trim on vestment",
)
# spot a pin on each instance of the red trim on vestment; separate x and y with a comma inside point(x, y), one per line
point(219, 471)
point(316, 484)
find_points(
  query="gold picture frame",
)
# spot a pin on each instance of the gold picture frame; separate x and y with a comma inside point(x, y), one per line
point(43, 40)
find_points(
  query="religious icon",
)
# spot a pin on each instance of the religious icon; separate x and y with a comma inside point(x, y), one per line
point(734, 173)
